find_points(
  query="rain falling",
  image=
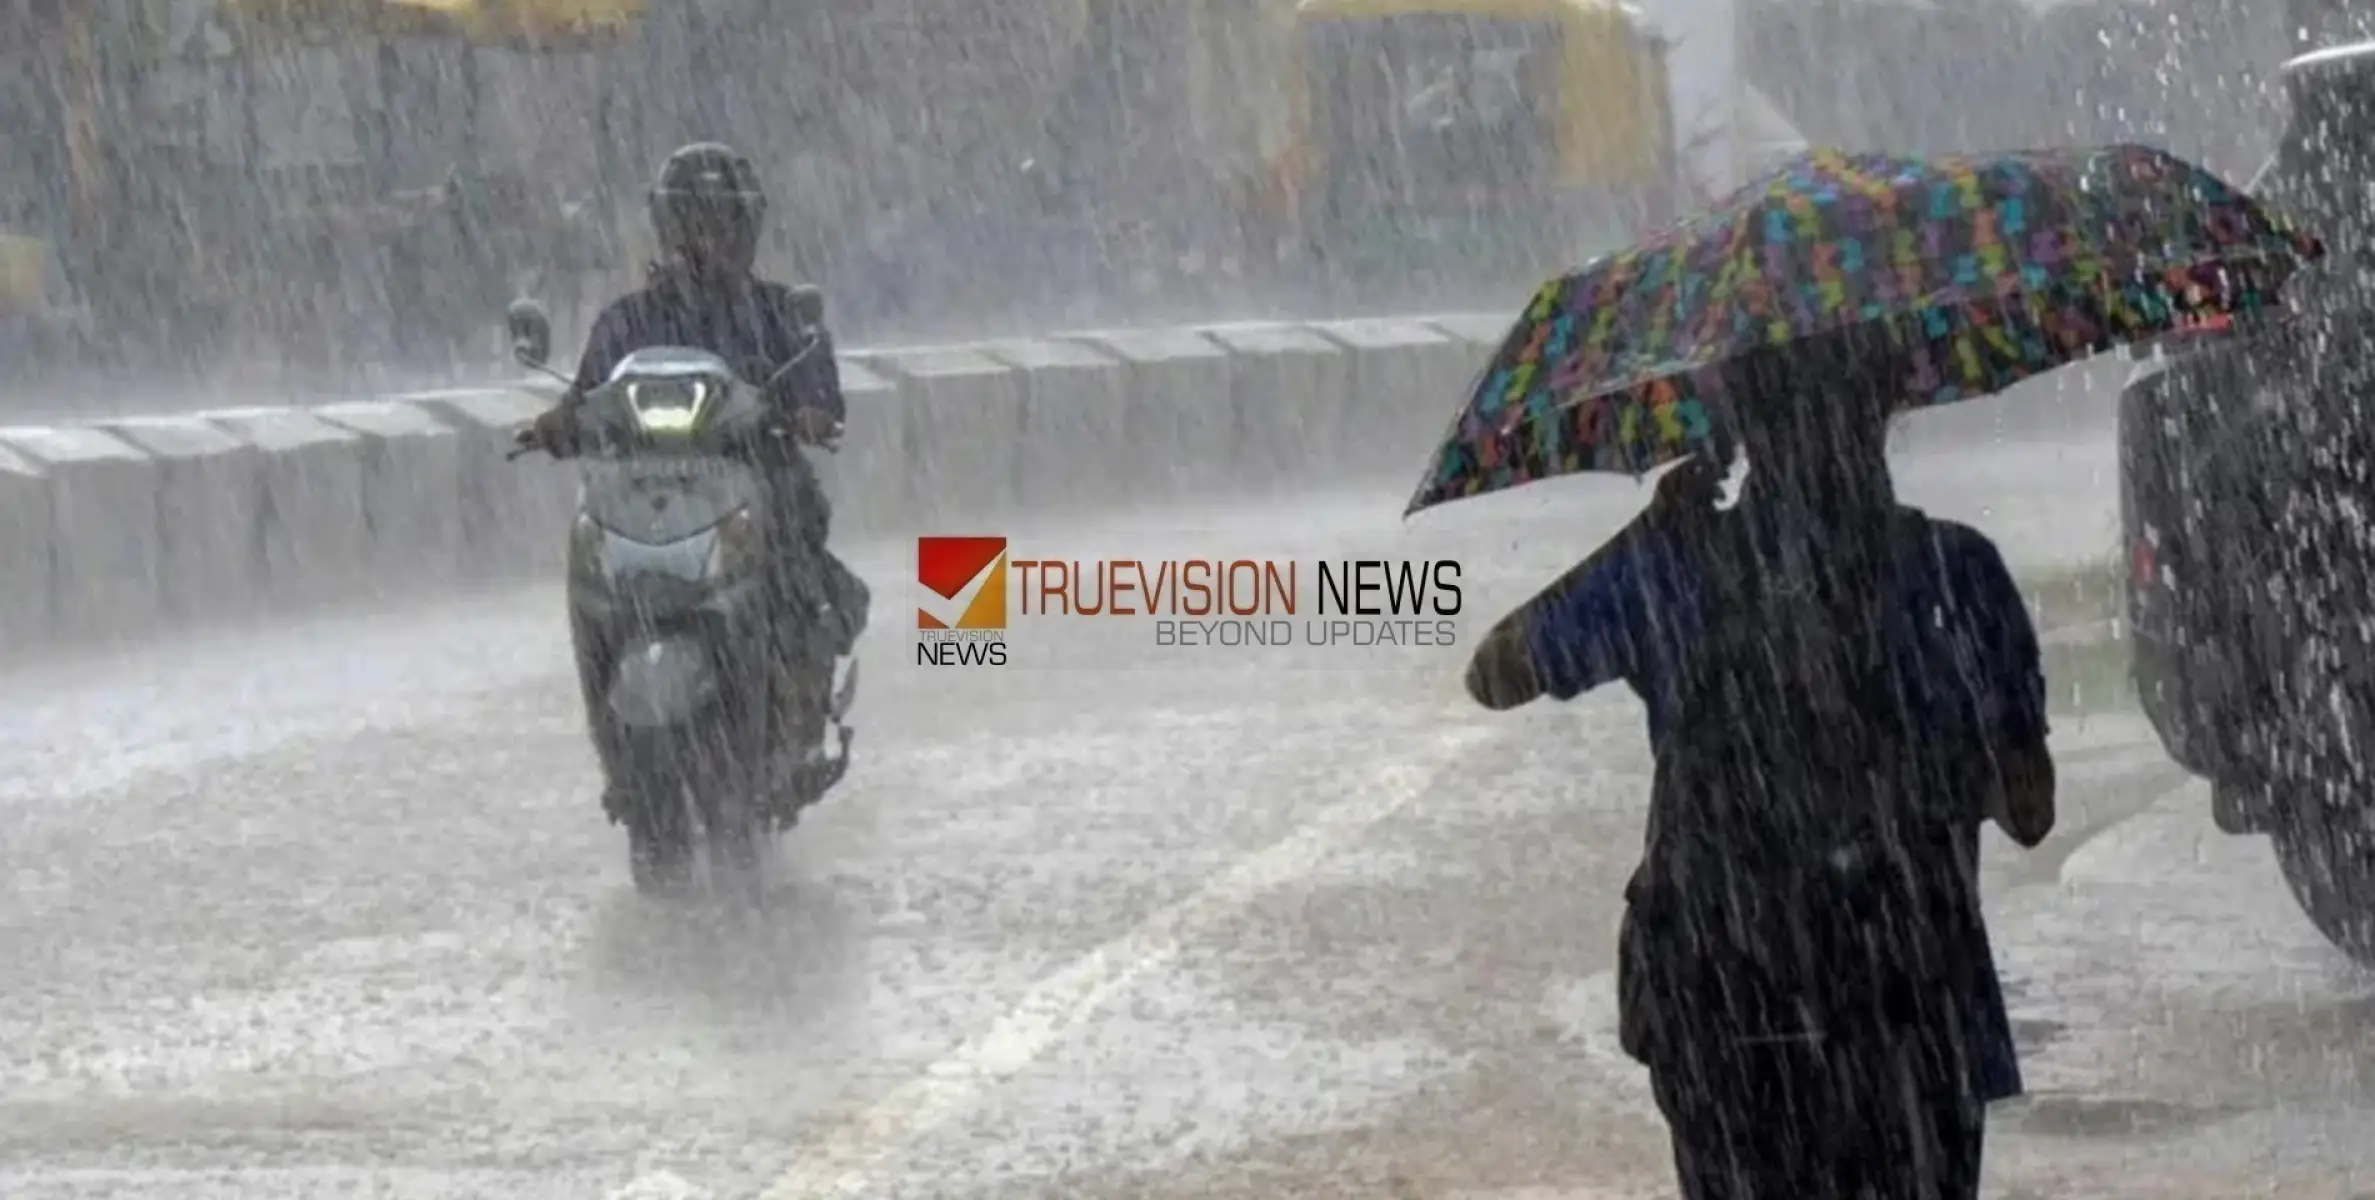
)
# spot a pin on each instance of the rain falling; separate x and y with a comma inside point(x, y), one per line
point(1811, 635)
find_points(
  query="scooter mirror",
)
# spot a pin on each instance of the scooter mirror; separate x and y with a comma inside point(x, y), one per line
point(531, 332)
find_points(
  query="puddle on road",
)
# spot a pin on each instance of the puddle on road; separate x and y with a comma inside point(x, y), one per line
point(2032, 1034)
point(2111, 1117)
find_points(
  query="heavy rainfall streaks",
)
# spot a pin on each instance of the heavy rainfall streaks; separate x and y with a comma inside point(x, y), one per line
point(480, 716)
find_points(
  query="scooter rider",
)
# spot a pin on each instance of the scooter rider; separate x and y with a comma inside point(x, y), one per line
point(707, 209)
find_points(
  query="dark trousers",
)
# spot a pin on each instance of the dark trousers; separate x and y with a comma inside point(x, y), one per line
point(813, 574)
point(1806, 1121)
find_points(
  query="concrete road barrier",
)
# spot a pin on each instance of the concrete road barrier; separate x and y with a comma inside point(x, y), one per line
point(208, 512)
point(868, 478)
point(961, 417)
point(1407, 380)
point(412, 491)
point(1482, 332)
point(25, 602)
point(1178, 422)
point(316, 541)
point(514, 515)
point(109, 530)
point(104, 553)
point(1074, 442)
point(2079, 401)
point(1291, 392)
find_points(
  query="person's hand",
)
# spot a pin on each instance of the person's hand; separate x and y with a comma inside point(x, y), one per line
point(1694, 486)
point(815, 425)
point(554, 431)
point(1501, 675)
point(2021, 798)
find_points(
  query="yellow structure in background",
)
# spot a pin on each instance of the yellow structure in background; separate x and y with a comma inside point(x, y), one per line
point(1613, 125)
point(482, 22)
point(24, 275)
point(1255, 112)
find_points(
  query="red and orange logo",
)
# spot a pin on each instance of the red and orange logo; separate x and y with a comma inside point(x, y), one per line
point(949, 566)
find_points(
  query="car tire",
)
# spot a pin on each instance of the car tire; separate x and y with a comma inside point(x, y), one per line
point(2327, 854)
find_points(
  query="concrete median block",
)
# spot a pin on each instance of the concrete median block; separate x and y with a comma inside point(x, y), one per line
point(867, 478)
point(1408, 383)
point(314, 534)
point(1177, 415)
point(103, 538)
point(1292, 390)
point(962, 411)
point(515, 515)
point(1073, 446)
point(2077, 403)
point(1483, 331)
point(25, 612)
point(412, 491)
point(209, 515)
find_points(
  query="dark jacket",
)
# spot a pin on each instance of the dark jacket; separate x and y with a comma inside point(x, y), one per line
point(1965, 662)
point(754, 324)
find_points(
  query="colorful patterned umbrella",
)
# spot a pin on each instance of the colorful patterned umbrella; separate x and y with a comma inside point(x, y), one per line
point(1980, 270)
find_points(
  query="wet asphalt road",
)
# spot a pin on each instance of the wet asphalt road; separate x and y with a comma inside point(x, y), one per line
point(332, 912)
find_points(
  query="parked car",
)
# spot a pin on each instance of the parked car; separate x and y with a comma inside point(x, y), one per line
point(2247, 463)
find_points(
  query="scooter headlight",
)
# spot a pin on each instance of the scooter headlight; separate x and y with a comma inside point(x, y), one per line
point(671, 406)
point(735, 548)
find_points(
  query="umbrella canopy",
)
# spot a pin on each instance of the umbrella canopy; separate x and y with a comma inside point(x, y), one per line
point(539, 23)
point(1979, 270)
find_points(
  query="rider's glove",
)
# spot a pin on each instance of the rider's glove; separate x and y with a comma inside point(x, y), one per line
point(554, 431)
point(814, 424)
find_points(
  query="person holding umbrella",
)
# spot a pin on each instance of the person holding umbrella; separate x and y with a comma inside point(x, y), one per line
point(1817, 514)
point(1838, 688)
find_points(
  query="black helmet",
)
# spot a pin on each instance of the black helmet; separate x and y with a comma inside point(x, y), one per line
point(707, 208)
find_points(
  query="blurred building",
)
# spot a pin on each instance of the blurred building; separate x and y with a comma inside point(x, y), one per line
point(933, 162)
point(1999, 74)
point(2316, 23)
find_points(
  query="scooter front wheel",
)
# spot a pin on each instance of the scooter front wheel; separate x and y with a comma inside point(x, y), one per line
point(739, 838)
point(659, 850)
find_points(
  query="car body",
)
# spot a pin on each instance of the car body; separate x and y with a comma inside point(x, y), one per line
point(2247, 475)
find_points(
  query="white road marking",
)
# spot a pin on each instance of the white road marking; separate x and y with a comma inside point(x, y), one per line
point(659, 1185)
point(841, 1162)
